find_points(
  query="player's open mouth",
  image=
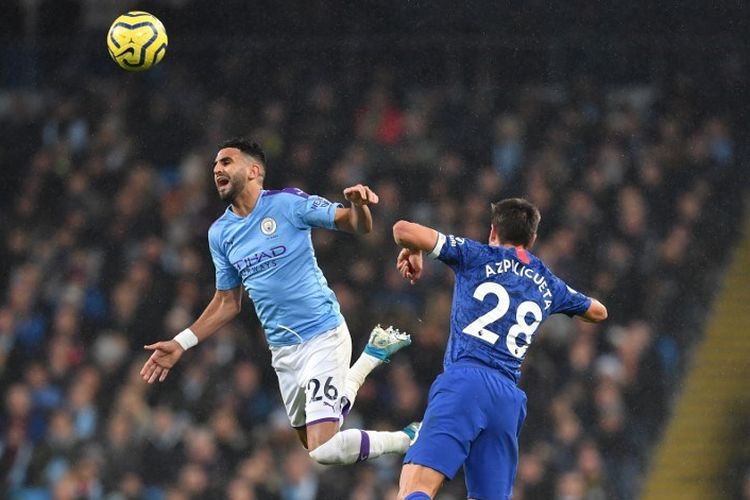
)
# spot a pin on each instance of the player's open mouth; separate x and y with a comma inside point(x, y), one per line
point(222, 181)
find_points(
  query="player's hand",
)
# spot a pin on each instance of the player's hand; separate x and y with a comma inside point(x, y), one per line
point(409, 264)
point(360, 195)
point(165, 355)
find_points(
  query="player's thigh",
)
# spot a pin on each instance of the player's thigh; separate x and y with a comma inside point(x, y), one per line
point(490, 468)
point(287, 363)
point(326, 364)
point(311, 377)
point(302, 436)
point(416, 477)
point(451, 422)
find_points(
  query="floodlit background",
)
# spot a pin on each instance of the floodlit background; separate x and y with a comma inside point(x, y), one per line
point(625, 122)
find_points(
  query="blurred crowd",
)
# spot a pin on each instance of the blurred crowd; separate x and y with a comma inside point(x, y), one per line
point(106, 196)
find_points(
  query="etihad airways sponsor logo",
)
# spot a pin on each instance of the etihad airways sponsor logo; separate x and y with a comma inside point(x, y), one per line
point(259, 261)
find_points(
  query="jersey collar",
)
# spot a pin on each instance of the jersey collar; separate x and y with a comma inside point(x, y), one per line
point(230, 213)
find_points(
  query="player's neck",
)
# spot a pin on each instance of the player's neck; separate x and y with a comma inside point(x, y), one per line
point(498, 243)
point(245, 202)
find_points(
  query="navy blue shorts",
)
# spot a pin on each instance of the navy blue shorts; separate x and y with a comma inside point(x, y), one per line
point(473, 418)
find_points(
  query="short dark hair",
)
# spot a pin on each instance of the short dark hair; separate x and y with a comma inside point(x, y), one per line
point(516, 221)
point(246, 146)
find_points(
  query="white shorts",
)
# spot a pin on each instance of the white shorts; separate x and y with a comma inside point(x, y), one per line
point(312, 376)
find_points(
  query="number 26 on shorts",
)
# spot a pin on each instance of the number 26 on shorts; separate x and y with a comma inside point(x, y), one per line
point(314, 392)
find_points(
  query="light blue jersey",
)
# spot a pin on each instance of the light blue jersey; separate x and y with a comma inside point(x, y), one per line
point(271, 253)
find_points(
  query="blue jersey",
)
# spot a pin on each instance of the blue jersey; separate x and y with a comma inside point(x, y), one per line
point(270, 252)
point(501, 296)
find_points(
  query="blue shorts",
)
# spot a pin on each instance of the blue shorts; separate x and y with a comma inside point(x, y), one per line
point(473, 418)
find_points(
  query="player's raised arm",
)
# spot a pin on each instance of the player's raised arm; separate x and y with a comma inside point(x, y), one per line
point(357, 218)
point(224, 306)
point(414, 236)
point(415, 239)
point(596, 312)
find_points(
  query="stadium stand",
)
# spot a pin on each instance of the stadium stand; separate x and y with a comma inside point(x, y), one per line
point(106, 198)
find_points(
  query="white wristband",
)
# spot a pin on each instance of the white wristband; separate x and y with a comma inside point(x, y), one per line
point(186, 338)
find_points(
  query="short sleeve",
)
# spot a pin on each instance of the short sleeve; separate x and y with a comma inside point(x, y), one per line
point(455, 251)
point(568, 301)
point(227, 277)
point(315, 211)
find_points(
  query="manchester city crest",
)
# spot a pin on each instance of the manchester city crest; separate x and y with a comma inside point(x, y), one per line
point(268, 226)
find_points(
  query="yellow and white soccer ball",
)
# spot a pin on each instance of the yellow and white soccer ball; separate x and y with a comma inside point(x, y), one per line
point(137, 40)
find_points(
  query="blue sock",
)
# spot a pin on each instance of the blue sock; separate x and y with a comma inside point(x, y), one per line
point(417, 495)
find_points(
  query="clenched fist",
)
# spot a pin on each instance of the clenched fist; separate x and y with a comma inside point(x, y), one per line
point(360, 195)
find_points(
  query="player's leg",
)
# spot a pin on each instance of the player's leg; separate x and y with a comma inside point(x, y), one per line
point(418, 482)
point(492, 462)
point(355, 445)
point(382, 344)
point(319, 432)
point(324, 373)
point(286, 363)
point(302, 436)
point(289, 363)
point(451, 423)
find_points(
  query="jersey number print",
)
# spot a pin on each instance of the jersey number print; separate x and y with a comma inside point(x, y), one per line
point(313, 390)
point(477, 327)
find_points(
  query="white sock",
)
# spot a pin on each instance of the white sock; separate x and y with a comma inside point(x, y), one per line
point(357, 375)
point(354, 445)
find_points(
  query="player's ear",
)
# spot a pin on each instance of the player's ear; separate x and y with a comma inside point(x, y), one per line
point(254, 171)
point(532, 241)
point(493, 235)
point(260, 172)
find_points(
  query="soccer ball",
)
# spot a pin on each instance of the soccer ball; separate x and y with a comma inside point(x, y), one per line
point(137, 40)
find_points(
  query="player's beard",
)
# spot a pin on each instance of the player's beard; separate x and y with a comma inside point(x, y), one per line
point(233, 189)
point(228, 194)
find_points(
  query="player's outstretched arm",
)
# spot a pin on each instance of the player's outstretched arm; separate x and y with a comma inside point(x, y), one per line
point(595, 313)
point(224, 306)
point(357, 218)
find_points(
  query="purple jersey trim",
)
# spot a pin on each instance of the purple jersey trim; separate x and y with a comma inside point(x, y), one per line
point(364, 447)
point(294, 191)
point(346, 406)
point(325, 419)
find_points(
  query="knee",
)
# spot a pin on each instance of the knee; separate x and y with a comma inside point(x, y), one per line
point(328, 453)
point(340, 449)
point(319, 434)
point(320, 456)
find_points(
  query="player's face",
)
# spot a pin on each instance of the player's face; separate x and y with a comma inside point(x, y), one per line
point(230, 173)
